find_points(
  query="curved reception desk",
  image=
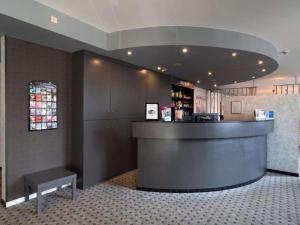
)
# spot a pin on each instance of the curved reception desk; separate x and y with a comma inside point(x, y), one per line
point(195, 157)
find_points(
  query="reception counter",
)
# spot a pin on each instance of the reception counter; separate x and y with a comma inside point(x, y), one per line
point(194, 157)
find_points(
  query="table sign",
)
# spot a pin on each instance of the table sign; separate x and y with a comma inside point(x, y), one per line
point(152, 111)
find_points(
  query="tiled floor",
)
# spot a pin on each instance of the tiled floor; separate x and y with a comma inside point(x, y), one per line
point(275, 199)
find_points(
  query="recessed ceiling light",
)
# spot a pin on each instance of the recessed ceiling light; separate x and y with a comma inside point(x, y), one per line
point(129, 52)
point(143, 71)
point(234, 54)
point(215, 85)
point(209, 73)
point(163, 70)
point(198, 81)
point(54, 19)
point(96, 61)
point(253, 77)
point(158, 68)
point(185, 50)
point(260, 62)
point(263, 70)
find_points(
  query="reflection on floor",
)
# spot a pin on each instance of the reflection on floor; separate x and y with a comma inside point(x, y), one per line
point(275, 199)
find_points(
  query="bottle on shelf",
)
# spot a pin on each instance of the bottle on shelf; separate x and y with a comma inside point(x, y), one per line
point(178, 114)
point(180, 94)
point(163, 113)
point(173, 111)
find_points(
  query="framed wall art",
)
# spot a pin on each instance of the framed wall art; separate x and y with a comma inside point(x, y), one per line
point(236, 107)
point(42, 106)
point(152, 111)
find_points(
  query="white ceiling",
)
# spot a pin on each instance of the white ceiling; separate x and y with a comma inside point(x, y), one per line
point(277, 21)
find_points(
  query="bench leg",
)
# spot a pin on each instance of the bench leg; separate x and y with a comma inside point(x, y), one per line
point(74, 189)
point(26, 192)
point(39, 201)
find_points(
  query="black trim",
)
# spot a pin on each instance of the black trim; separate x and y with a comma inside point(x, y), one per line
point(199, 190)
point(283, 172)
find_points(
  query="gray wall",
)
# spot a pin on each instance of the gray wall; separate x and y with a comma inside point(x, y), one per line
point(26, 151)
point(32, 12)
point(283, 153)
point(2, 117)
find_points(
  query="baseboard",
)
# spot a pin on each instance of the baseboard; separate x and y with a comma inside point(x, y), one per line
point(31, 196)
point(283, 172)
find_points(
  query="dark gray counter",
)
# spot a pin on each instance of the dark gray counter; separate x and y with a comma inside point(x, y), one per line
point(184, 157)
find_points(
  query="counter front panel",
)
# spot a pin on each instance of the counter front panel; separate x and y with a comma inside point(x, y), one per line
point(187, 157)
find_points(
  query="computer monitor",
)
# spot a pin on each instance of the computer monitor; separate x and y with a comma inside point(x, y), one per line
point(208, 117)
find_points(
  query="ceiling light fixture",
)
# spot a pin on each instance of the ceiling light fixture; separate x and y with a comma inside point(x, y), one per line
point(215, 85)
point(234, 54)
point(209, 73)
point(159, 68)
point(260, 62)
point(96, 61)
point(198, 81)
point(263, 70)
point(253, 77)
point(164, 70)
point(54, 19)
point(143, 71)
point(185, 50)
point(129, 52)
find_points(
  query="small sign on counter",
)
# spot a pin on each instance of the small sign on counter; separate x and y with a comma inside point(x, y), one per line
point(263, 115)
point(152, 111)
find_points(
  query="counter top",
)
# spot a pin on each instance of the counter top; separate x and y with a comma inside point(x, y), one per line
point(219, 121)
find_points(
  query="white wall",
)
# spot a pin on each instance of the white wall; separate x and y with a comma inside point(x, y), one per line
point(214, 99)
point(283, 143)
point(2, 118)
point(265, 85)
point(200, 103)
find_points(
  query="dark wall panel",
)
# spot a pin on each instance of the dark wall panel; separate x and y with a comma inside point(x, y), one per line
point(110, 150)
point(114, 95)
point(159, 88)
point(96, 88)
point(77, 115)
point(97, 102)
point(26, 151)
point(113, 90)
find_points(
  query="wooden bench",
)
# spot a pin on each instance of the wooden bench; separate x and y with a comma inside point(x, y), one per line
point(48, 179)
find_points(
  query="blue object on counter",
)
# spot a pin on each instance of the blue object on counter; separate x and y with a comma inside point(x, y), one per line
point(270, 115)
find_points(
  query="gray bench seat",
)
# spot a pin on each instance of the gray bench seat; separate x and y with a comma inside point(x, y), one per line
point(48, 179)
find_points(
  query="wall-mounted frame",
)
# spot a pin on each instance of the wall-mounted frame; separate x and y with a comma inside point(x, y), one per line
point(152, 111)
point(236, 107)
point(42, 106)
